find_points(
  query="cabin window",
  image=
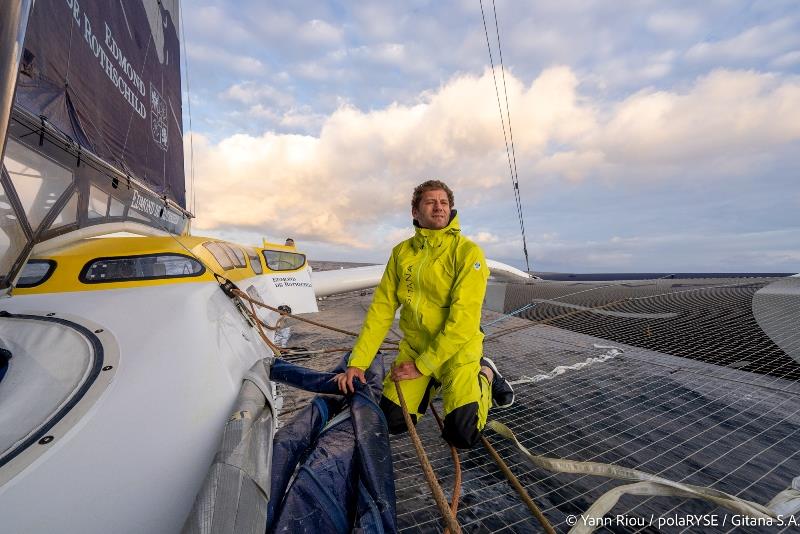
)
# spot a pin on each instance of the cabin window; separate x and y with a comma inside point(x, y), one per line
point(227, 256)
point(237, 254)
point(36, 272)
point(220, 254)
point(255, 261)
point(284, 261)
point(146, 267)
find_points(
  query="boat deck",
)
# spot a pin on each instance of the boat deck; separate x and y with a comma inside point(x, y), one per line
point(678, 417)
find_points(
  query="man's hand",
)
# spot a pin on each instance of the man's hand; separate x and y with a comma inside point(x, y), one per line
point(345, 380)
point(405, 371)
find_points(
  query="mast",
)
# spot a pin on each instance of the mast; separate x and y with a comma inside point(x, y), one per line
point(12, 34)
point(13, 22)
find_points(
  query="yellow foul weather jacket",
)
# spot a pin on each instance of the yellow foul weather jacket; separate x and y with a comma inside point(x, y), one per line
point(439, 278)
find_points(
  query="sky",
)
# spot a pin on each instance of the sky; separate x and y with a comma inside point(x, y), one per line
point(648, 136)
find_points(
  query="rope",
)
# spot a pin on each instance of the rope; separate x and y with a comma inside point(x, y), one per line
point(436, 489)
point(241, 294)
point(518, 487)
point(510, 314)
point(456, 468)
point(645, 484)
point(282, 352)
point(273, 347)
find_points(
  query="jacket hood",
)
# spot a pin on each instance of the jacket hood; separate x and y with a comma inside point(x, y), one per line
point(435, 237)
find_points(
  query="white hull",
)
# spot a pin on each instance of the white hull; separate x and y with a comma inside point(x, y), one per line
point(136, 459)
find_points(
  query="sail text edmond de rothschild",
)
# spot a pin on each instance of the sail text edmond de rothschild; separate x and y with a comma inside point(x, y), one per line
point(153, 208)
point(105, 61)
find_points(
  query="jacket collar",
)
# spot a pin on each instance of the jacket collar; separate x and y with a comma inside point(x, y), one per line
point(434, 238)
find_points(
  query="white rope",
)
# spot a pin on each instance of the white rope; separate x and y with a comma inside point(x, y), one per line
point(561, 369)
point(649, 484)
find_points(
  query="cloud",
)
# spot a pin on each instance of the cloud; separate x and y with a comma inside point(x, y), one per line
point(725, 114)
point(349, 182)
point(238, 63)
point(318, 71)
point(484, 238)
point(675, 22)
point(206, 22)
point(768, 251)
point(388, 53)
point(762, 41)
point(250, 92)
point(320, 33)
point(787, 60)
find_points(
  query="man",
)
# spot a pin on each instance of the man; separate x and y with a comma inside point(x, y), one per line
point(439, 278)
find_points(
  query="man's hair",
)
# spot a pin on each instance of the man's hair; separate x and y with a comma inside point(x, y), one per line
point(430, 185)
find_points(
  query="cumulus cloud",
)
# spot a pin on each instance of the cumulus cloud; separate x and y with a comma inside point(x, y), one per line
point(345, 183)
point(725, 113)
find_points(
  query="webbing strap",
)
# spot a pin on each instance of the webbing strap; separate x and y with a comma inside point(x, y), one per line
point(646, 484)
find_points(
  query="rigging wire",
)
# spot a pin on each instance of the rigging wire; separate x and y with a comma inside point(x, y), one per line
point(189, 108)
point(510, 153)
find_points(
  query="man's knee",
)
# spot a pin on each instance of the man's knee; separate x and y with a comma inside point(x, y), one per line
point(394, 416)
point(461, 426)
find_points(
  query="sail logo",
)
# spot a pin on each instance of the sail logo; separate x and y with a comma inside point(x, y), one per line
point(158, 118)
point(95, 45)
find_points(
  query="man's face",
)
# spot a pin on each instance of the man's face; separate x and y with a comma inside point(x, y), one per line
point(433, 210)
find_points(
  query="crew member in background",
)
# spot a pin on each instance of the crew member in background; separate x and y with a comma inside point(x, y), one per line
point(439, 278)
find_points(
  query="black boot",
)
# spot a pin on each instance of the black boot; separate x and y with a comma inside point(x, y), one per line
point(502, 392)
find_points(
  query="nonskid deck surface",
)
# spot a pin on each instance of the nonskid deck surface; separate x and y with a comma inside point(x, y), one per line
point(678, 417)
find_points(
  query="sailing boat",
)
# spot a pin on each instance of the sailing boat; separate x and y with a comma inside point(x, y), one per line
point(125, 356)
point(122, 356)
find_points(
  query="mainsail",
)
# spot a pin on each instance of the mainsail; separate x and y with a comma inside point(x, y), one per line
point(96, 136)
point(108, 75)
